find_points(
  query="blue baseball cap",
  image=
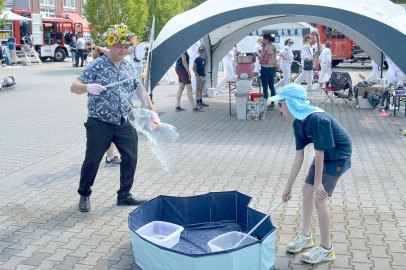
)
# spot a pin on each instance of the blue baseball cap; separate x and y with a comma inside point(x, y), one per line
point(296, 100)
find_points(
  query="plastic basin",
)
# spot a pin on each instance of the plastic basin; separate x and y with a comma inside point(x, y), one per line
point(256, 95)
point(162, 233)
point(229, 240)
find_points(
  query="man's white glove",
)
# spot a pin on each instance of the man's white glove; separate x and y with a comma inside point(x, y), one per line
point(95, 89)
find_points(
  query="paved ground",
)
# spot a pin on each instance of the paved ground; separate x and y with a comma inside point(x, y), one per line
point(42, 147)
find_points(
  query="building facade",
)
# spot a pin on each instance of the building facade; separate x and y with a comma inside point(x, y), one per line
point(49, 8)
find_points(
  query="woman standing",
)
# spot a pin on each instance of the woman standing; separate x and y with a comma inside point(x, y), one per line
point(306, 54)
point(182, 70)
point(286, 61)
point(72, 45)
point(268, 62)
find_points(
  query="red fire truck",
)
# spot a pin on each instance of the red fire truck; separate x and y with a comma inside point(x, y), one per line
point(47, 34)
point(343, 48)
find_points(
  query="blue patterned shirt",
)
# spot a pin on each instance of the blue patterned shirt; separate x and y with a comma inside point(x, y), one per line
point(114, 103)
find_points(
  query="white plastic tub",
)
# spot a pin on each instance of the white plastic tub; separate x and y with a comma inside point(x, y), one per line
point(211, 92)
point(162, 233)
point(229, 240)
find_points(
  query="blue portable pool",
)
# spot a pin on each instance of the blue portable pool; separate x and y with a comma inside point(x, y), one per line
point(203, 218)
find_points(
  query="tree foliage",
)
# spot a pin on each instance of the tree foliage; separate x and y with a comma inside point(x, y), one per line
point(103, 13)
point(136, 14)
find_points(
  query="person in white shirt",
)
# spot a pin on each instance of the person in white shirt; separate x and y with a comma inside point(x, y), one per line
point(228, 65)
point(306, 53)
point(325, 63)
point(286, 55)
point(257, 48)
point(80, 47)
point(394, 75)
point(374, 73)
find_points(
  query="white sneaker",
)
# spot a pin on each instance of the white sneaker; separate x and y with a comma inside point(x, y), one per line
point(319, 254)
point(300, 243)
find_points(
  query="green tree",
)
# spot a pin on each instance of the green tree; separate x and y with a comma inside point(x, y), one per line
point(1, 8)
point(103, 13)
point(164, 10)
point(195, 3)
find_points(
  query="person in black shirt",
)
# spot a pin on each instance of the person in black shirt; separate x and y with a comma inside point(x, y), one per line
point(199, 69)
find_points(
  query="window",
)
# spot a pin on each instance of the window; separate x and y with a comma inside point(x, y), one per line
point(47, 12)
point(47, 2)
point(69, 4)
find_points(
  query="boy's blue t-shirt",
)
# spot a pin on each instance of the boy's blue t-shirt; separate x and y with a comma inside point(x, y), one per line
point(11, 46)
point(326, 134)
point(179, 64)
point(200, 66)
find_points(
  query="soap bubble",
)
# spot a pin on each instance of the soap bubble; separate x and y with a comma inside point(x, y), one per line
point(163, 139)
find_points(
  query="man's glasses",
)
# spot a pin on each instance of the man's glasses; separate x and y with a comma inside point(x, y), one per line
point(290, 42)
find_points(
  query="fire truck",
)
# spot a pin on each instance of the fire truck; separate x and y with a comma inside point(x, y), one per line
point(47, 34)
point(343, 48)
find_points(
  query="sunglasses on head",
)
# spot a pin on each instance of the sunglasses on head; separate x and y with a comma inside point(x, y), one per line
point(280, 103)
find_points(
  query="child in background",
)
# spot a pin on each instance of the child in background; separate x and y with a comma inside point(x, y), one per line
point(199, 68)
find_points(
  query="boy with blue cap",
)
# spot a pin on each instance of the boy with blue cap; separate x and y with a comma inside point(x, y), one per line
point(332, 145)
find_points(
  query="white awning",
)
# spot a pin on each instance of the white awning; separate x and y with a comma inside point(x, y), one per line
point(11, 16)
point(376, 25)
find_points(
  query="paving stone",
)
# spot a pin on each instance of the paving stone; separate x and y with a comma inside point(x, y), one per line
point(39, 220)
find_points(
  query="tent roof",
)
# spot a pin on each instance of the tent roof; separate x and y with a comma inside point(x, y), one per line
point(11, 16)
point(374, 24)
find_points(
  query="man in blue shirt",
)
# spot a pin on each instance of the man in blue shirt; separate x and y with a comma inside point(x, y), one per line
point(12, 49)
point(199, 68)
point(108, 112)
point(333, 148)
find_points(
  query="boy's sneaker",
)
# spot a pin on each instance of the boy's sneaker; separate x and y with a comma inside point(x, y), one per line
point(204, 104)
point(197, 109)
point(179, 109)
point(113, 161)
point(300, 243)
point(319, 254)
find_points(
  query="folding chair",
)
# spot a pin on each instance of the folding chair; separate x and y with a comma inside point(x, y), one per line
point(337, 86)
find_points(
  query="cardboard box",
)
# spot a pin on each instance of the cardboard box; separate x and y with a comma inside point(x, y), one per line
point(375, 88)
point(256, 110)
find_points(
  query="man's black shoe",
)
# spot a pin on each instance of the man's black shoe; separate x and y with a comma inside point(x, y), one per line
point(130, 200)
point(84, 204)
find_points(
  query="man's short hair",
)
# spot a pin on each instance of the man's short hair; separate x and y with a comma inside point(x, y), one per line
point(328, 44)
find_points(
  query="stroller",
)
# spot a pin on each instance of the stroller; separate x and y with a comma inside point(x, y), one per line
point(339, 87)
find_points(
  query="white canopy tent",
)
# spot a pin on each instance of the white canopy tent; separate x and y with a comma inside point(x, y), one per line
point(376, 25)
point(11, 16)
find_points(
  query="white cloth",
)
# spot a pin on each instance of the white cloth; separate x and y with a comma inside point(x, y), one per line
point(394, 75)
point(374, 73)
point(80, 43)
point(193, 54)
point(325, 68)
point(306, 53)
point(286, 73)
point(257, 65)
point(287, 55)
point(305, 75)
point(228, 65)
point(167, 77)
point(325, 56)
